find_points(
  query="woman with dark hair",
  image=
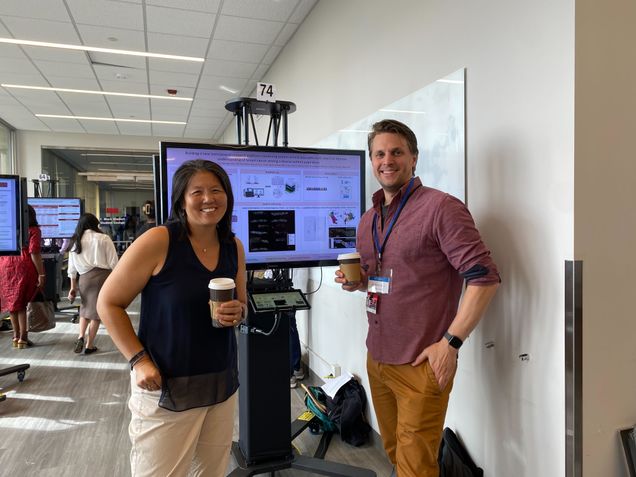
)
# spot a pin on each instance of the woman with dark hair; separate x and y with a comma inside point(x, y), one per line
point(184, 372)
point(20, 279)
point(92, 255)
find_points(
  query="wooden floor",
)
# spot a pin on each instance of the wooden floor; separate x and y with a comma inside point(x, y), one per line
point(69, 416)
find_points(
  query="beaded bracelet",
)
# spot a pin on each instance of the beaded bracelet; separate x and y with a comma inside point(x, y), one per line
point(135, 359)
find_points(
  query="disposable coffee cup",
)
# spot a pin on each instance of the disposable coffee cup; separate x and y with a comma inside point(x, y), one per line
point(350, 266)
point(221, 290)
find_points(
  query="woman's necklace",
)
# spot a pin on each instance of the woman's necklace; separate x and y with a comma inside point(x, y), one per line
point(196, 245)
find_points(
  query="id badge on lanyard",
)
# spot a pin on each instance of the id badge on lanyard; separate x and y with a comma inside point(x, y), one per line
point(378, 285)
point(380, 282)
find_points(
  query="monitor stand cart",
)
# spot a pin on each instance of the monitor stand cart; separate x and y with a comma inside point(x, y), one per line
point(265, 431)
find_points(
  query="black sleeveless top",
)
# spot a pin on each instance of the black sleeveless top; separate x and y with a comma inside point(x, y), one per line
point(197, 361)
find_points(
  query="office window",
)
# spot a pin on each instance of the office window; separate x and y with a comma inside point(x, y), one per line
point(6, 149)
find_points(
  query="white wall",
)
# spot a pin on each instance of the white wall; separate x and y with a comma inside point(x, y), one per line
point(605, 229)
point(351, 58)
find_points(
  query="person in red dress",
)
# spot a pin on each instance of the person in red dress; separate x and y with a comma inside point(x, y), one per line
point(21, 277)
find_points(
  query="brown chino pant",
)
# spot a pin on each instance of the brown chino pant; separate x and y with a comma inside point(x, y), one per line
point(410, 409)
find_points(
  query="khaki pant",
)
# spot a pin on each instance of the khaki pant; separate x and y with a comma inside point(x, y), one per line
point(168, 443)
point(410, 409)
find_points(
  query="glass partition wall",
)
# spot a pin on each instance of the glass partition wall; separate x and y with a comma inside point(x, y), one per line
point(7, 160)
point(113, 185)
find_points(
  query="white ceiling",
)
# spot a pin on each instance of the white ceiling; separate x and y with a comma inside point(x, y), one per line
point(239, 40)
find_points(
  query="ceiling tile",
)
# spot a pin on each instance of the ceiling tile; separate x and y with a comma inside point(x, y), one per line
point(189, 67)
point(171, 44)
point(63, 125)
point(10, 51)
point(217, 94)
point(116, 61)
point(173, 80)
point(124, 86)
point(134, 129)
point(177, 22)
point(237, 51)
point(41, 30)
point(99, 36)
point(198, 133)
point(167, 113)
point(72, 82)
point(18, 78)
point(71, 69)
point(55, 54)
point(233, 69)
point(167, 130)
point(18, 65)
point(210, 6)
point(303, 9)
point(82, 106)
point(125, 108)
point(48, 10)
point(213, 82)
point(107, 12)
point(264, 9)
point(29, 96)
point(111, 73)
point(100, 127)
point(285, 35)
point(160, 90)
point(202, 107)
point(29, 124)
point(198, 122)
point(247, 30)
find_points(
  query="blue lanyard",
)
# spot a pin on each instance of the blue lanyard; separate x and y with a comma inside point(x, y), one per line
point(376, 241)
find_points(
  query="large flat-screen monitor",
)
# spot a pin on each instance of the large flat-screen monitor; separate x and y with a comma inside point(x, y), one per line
point(293, 207)
point(10, 215)
point(57, 216)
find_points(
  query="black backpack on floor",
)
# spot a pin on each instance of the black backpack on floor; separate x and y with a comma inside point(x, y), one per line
point(453, 458)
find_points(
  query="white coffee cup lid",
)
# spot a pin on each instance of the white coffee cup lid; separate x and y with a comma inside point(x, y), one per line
point(348, 256)
point(221, 284)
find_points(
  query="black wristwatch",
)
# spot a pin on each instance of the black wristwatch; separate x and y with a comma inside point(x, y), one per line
point(454, 341)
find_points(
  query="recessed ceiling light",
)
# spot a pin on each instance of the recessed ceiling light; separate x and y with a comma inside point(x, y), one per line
point(91, 118)
point(15, 41)
point(88, 91)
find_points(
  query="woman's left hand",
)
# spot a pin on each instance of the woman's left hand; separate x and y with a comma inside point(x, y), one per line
point(41, 281)
point(230, 313)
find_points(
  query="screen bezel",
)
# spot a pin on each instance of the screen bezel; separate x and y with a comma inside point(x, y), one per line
point(264, 265)
point(18, 215)
point(81, 205)
point(157, 173)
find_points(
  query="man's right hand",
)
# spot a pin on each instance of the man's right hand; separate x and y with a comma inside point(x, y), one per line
point(348, 286)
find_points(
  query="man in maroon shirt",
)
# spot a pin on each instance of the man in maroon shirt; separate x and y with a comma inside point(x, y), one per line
point(417, 246)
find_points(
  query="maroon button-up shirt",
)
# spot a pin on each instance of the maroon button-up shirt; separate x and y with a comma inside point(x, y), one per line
point(433, 242)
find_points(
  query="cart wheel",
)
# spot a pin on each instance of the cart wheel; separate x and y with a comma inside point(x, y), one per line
point(21, 375)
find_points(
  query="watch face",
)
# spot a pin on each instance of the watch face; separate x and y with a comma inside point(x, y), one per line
point(454, 341)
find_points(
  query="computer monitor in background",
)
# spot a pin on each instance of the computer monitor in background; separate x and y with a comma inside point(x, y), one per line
point(10, 215)
point(57, 216)
point(293, 207)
